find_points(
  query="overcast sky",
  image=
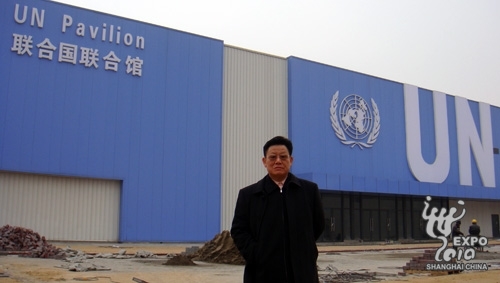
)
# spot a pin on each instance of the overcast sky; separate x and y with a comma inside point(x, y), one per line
point(452, 46)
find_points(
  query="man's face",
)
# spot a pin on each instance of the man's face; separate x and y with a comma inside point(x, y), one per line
point(277, 162)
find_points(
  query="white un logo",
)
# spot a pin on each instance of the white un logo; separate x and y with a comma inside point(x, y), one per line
point(355, 119)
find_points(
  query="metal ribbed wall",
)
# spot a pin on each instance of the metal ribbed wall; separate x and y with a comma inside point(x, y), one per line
point(254, 110)
point(61, 208)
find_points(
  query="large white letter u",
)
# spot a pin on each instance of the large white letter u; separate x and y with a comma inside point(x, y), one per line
point(436, 172)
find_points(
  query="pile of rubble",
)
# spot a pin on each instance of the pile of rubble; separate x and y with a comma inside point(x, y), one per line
point(221, 249)
point(336, 276)
point(180, 259)
point(80, 261)
point(418, 264)
point(27, 243)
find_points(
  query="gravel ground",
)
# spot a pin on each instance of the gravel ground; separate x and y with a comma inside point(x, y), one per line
point(383, 261)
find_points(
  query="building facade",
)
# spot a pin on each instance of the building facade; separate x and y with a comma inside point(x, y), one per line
point(117, 130)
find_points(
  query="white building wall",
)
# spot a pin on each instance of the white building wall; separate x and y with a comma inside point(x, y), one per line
point(61, 208)
point(255, 109)
point(479, 210)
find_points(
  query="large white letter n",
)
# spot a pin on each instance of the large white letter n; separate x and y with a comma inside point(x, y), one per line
point(468, 139)
point(436, 172)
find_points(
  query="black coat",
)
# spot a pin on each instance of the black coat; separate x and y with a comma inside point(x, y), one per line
point(474, 230)
point(268, 242)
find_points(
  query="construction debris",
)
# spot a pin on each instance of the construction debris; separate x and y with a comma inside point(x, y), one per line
point(344, 277)
point(81, 267)
point(335, 276)
point(418, 264)
point(221, 249)
point(27, 243)
point(22, 241)
point(180, 260)
point(94, 278)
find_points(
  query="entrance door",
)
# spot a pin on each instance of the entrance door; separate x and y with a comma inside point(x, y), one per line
point(370, 218)
point(370, 225)
point(388, 225)
point(418, 226)
point(332, 207)
point(333, 225)
point(495, 225)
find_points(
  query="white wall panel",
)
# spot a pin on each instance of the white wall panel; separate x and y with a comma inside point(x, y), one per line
point(255, 109)
point(61, 208)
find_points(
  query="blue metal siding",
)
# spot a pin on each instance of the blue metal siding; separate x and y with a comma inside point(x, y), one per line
point(160, 132)
point(382, 168)
point(317, 148)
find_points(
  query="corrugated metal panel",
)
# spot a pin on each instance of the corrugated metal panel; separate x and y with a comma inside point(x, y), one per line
point(61, 208)
point(254, 110)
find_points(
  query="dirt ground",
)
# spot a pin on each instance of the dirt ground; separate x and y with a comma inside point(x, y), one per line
point(362, 258)
point(42, 270)
point(492, 276)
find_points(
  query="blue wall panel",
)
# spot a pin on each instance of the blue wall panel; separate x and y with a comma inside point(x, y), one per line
point(158, 131)
point(370, 184)
point(358, 184)
point(404, 187)
point(346, 183)
point(319, 148)
point(332, 182)
point(392, 187)
point(382, 185)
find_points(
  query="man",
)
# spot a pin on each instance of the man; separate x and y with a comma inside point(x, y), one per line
point(474, 231)
point(277, 222)
point(455, 231)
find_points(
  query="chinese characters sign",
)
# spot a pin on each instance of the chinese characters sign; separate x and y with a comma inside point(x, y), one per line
point(68, 53)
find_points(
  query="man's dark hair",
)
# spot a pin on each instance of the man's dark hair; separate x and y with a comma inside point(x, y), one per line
point(279, 140)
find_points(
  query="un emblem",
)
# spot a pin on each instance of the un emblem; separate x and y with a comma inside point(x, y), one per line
point(356, 120)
